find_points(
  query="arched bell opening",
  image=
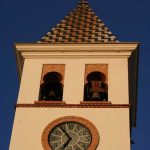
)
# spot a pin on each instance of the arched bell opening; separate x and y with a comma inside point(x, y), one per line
point(51, 89)
point(96, 89)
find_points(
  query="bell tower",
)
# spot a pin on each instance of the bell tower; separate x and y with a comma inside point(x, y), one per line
point(78, 88)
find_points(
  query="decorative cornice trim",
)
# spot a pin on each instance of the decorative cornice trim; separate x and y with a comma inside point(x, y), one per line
point(107, 47)
point(86, 105)
point(71, 51)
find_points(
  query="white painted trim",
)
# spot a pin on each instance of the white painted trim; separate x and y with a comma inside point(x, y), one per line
point(118, 47)
point(73, 51)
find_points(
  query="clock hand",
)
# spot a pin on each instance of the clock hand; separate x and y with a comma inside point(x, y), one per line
point(66, 144)
point(66, 134)
point(69, 138)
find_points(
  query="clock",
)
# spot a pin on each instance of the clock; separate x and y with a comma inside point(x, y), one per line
point(70, 133)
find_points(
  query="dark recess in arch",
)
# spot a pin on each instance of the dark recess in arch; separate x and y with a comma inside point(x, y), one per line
point(52, 88)
point(96, 89)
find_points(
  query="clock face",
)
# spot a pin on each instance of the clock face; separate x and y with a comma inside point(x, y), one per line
point(69, 136)
point(70, 133)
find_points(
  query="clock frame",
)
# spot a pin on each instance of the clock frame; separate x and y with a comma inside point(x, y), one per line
point(86, 123)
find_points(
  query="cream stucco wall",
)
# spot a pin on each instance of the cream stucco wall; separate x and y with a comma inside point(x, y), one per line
point(112, 125)
point(74, 79)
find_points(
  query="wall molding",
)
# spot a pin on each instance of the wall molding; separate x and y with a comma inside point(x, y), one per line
point(64, 105)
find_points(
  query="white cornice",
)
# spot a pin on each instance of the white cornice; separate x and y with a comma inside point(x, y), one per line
point(41, 51)
point(72, 51)
point(109, 47)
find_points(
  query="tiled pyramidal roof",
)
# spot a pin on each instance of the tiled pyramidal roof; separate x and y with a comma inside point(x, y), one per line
point(82, 25)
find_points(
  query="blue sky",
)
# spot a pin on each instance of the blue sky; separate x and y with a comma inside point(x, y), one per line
point(29, 20)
